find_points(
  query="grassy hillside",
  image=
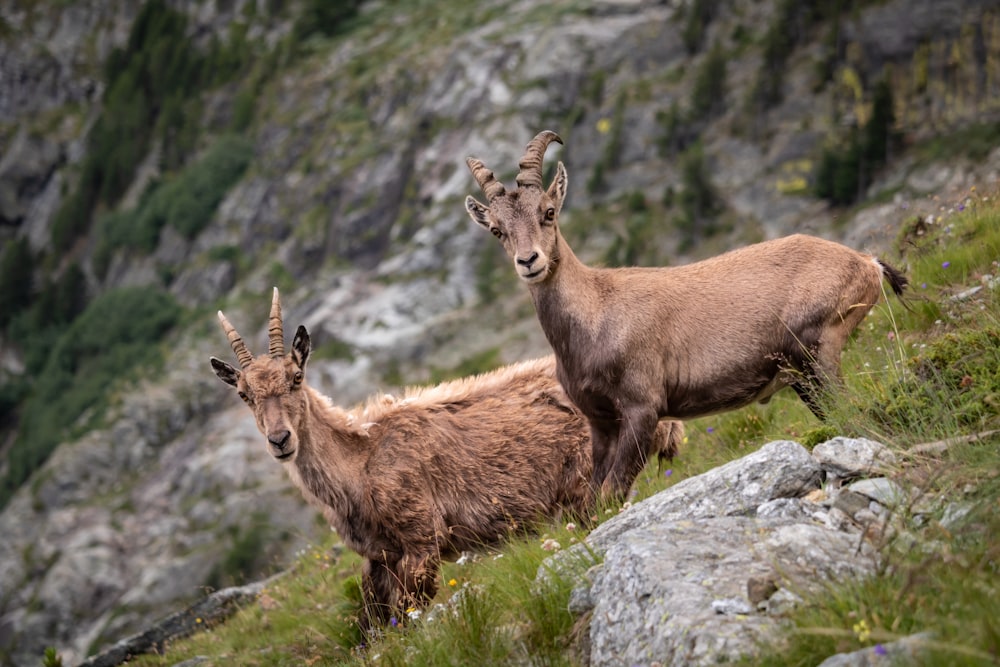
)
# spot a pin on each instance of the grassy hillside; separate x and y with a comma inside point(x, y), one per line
point(914, 377)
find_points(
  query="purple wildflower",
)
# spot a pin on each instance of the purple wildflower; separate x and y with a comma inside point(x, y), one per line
point(945, 265)
point(393, 622)
point(923, 285)
point(710, 429)
point(668, 472)
point(880, 650)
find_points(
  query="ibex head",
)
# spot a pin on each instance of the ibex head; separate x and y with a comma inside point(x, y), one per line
point(525, 219)
point(271, 385)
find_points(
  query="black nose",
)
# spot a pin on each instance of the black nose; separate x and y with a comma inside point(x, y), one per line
point(529, 261)
point(279, 439)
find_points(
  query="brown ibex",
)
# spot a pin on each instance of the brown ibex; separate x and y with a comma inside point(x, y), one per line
point(409, 481)
point(634, 345)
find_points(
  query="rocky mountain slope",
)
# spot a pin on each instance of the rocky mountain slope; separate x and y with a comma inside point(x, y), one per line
point(351, 201)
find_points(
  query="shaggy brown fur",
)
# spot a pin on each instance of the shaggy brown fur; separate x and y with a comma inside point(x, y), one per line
point(635, 345)
point(409, 481)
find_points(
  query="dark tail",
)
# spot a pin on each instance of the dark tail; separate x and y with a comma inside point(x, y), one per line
point(897, 281)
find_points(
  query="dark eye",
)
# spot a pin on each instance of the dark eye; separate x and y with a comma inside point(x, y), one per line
point(496, 232)
point(246, 399)
point(550, 214)
point(297, 378)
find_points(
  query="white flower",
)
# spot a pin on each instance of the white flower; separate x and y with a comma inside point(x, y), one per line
point(551, 545)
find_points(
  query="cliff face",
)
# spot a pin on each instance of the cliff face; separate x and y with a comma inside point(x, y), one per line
point(352, 203)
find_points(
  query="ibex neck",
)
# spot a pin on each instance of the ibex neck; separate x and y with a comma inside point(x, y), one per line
point(568, 295)
point(332, 454)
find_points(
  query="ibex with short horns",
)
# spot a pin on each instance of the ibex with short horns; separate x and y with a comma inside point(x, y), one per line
point(412, 480)
point(634, 345)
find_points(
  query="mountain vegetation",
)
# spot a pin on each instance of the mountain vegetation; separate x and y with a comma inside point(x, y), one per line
point(917, 376)
point(159, 161)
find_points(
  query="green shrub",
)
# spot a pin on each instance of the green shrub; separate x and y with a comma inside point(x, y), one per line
point(245, 557)
point(843, 173)
point(51, 658)
point(117, 333)
point(708, 96)
point(60, 301)
point(957, 370)
point(334, 348)
point(698, 16)
point(611, 155)
point(670, 121)
point(17, 266)
point(481, 362)
point(152, 88)
point(321, 17)
point(186, 203)
point(699, 202)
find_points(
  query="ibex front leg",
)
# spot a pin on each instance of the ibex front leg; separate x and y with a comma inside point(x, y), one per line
point(630, 450)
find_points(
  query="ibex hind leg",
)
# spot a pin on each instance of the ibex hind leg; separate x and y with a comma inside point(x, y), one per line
point(381, 592)
point(811, 394)
point(603, 436)
point(418, 578)
point(817, 376)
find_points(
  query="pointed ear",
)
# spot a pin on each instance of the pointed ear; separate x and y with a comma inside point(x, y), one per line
point(226, 373)
point(478, 212)
point(301, 346)
point(557, 190)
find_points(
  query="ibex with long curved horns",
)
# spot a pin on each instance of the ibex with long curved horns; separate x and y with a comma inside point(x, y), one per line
point(407, 482)
point(634, 345)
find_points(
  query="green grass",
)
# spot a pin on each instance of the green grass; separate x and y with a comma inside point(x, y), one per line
point(922, 376)
point(911, 376)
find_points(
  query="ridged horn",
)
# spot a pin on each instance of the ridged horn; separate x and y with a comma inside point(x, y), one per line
point(236, 341)
point(531, 164)
point(275, 335)
point(484, 176)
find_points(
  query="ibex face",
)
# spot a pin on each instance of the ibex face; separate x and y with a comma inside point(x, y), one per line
point(271, 385)
point(525, 220)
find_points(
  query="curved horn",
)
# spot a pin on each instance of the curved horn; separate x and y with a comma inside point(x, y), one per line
point(236, 341)
point(275, 335)
point(484, 176)
point(531, 163)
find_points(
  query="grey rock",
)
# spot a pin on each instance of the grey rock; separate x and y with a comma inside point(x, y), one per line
point(850, 502)
point(882, 490)
point(25, 170)
point(732, 606)
point(854, 457)
point(808, 550)
point(786, 508)
point(782, 603)
point(964, 295)
point(655, 591)
point(659, 591)
point(781, 469)
point(954, 514)
point(903, 651)
point(681, 587)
